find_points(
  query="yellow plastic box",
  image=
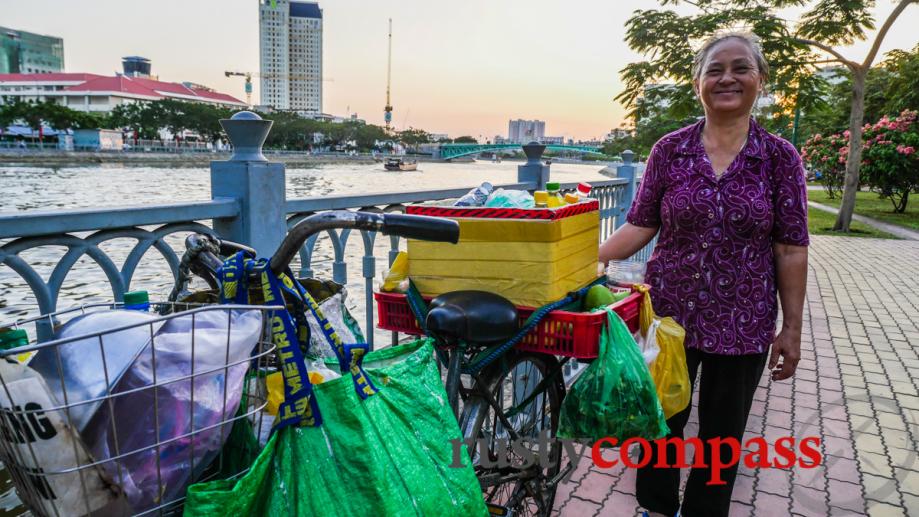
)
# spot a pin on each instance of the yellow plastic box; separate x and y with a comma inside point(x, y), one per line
point(530, 256)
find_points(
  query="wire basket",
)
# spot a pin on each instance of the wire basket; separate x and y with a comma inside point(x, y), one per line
point(125, 409)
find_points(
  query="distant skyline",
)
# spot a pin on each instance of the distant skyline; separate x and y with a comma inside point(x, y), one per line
point(462, 68)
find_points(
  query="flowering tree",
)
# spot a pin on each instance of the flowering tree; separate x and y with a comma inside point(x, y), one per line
point(890, 163)
point(827, 155)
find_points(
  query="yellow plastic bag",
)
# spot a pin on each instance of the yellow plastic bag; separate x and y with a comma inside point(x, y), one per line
point(397, 273)
point(669, 371)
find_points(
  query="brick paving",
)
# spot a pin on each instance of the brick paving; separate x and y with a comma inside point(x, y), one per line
point(857, 387)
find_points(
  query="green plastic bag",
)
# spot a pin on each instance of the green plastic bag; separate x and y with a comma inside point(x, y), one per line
point(389, 454)
point(615, 396)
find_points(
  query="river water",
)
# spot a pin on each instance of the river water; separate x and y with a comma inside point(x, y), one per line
point(40, 188)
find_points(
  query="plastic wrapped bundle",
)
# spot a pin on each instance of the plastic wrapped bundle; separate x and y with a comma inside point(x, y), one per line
point(615, 396)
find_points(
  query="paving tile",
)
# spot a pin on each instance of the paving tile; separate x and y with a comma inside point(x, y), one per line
point(881, 489)
point(774, 481)
point(808, 502)
point(743, 489)
point(908, 479)
point(873, 463)
point(842, 469)
point(595, 487)
point(769, 505)
point(878, 509)
point(580, 508)
point(840, 447)
point(911, 504)
point(838, 428)
point(847, 496)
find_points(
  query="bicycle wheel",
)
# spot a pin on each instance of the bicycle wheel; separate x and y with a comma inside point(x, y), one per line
point(527, 390)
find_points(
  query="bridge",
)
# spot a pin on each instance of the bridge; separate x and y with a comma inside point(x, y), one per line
point(450, 151)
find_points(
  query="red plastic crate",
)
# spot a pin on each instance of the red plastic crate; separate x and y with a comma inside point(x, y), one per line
point(563, 333)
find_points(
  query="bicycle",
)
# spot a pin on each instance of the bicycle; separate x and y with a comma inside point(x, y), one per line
point(513, 398)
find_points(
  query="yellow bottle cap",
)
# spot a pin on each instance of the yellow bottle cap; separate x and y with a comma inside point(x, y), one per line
point(541, 197)
point(571, 198)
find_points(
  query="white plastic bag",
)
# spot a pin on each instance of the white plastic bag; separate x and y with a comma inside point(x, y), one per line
point(648, 343)
point(40, 441)
point(130, 422)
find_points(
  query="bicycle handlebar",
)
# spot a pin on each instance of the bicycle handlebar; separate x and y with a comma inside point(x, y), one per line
point(409, 226)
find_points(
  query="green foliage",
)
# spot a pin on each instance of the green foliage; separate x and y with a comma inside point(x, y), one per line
point(827, 155)
point(890, 163)
point(37, 114)
point(465, 139)
point(890, 87)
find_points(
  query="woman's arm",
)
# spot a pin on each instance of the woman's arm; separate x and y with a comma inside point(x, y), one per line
point(791, 276)
point(625, 242)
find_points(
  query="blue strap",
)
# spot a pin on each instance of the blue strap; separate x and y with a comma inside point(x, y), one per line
point(299, 407)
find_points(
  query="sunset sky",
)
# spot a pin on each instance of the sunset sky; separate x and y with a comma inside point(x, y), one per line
point(458, 67)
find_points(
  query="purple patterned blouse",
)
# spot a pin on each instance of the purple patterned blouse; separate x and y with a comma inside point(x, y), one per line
point(713, 269)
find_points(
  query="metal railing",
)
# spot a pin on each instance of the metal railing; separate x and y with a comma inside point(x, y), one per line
point(258, 217)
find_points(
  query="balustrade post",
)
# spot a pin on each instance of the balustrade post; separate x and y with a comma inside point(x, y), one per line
point(533, 171)
point(256, 183)
point(626, 171)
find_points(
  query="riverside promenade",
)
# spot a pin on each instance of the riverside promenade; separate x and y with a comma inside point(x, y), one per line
point(856, 387)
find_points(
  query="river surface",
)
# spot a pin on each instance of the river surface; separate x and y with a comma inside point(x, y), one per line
point(38, 188)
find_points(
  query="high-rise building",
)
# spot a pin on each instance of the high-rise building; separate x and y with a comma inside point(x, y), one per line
point(290, 36)
point(24, 52)
point(525, 131)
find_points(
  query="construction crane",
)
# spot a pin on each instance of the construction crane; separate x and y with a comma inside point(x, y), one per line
point(387, 111)
point(249, 75)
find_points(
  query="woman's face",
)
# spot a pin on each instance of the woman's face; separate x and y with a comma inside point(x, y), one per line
point(730, 81)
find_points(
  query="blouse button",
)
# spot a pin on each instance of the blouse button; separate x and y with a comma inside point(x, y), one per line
point(711, 215)
point(696, 275)
point(704, 245)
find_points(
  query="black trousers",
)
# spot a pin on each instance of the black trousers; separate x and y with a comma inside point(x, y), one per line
point(726, 389)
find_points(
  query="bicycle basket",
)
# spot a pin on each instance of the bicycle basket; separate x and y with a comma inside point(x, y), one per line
point(120, 419)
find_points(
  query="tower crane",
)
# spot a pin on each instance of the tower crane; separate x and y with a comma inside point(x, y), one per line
point(249, 75)
point(387, 111)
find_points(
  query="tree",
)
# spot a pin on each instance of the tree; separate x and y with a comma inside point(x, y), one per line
point(791, 47)
point(411, 137)
point(465, 139)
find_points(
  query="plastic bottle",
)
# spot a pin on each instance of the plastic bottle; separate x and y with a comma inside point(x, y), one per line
point(572, 198)
point(541, 199)
point(476, 196)
point(555, 199)
point(15, 338)
point(583, 191)
point(137, 301)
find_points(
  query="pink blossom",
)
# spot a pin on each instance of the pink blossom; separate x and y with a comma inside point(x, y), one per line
point(825, 158)
point(905, 150)
point(818, 137)
point(842, 159)
point(846, 133)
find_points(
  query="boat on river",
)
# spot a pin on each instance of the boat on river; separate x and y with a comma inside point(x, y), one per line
point(399, 164)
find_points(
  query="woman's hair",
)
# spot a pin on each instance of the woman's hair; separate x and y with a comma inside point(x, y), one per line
point(749, 38)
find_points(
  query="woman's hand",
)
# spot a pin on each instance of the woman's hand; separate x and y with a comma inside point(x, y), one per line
point(787, 345)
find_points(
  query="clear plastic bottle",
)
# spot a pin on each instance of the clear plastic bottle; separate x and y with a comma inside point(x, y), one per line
point(476, 196)
point(555, 199)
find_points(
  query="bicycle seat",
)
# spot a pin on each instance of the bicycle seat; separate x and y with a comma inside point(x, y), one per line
point(473, 317)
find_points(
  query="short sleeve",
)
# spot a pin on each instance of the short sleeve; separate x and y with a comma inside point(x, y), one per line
point(646, 208)
point(789, 198)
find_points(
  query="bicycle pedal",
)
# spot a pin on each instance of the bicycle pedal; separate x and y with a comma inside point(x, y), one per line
point(497, 509)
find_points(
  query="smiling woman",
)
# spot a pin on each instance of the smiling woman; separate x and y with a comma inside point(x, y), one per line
point(728, 201)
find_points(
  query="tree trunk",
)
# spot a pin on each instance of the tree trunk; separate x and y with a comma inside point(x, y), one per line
point(853, 162)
